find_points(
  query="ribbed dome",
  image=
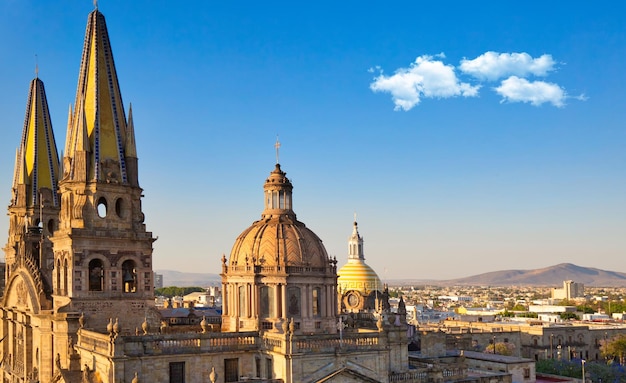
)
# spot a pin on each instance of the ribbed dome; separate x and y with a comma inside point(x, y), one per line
point(358, 276)
point(278, 242)
point(278, 239)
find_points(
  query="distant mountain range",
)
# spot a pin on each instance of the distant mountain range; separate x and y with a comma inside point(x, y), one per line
point(182, 279)
point(550, 276)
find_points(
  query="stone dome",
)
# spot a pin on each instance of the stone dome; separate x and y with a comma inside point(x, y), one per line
point(278, 242)
point(278, 238)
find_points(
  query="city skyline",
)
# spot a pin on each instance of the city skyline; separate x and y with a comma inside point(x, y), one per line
point(482, 140)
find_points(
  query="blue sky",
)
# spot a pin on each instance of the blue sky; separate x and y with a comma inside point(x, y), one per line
point(467, 138)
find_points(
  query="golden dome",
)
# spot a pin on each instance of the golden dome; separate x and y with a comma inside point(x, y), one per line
point(358, 276)
point(278, 239)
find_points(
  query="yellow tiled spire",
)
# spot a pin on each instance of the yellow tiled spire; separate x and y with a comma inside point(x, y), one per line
point(37, 160)
point(98, 128)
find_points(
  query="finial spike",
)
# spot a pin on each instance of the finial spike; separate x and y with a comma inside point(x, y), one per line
point(95, 4)
point(277, 146)
point(36, 67)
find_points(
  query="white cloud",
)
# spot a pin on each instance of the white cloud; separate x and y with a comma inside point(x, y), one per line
point(425, 77)
point(493, 65)
point(515, 89)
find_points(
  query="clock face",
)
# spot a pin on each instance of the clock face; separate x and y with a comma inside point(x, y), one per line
point(353, 299)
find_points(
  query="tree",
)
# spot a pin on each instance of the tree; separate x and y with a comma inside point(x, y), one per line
point(519, 307)
point(173, 291)
point(567, 316)
point(501, 348)
point(614, 348)
point(585, 309)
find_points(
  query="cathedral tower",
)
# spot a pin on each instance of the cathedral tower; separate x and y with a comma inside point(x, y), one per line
point(102, 250)
point(33, 218)
point(34, 207)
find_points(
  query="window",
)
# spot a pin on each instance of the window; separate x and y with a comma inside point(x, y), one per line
point(96, 275)
point(257, 364)
point(293, 301)
point(58, 276)
point(269, 368)
point(231, 370)
point(267, 301)
point(66, 276)
point(527, 373)
point(265, 325)
point(129, 276)
point(177, 372)
point(120, 208)
point(242, 301)
point(316, 301)
point(102, 207)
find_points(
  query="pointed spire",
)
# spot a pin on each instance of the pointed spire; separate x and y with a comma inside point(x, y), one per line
point(37, 160)
point(131, 146)
point(99, 100)
point(16, 171)
point(69, 139)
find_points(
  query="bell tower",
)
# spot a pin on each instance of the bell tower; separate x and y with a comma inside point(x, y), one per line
point(102, 251)
point(33, 212)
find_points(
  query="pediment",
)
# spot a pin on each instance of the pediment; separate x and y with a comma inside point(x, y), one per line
point(21, 293)
point(346, 375)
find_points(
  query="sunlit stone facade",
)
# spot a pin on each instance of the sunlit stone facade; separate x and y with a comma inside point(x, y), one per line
point(79, 298)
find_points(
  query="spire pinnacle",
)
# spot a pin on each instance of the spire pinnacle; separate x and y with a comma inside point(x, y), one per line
point(98, 110)
point(37, 161)
point(277, 146)
point(95, 4)
point(36, 67)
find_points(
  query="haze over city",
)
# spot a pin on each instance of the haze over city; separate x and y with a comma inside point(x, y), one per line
point(484, 139)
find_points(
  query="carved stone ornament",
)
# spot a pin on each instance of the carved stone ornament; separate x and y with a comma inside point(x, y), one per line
point(110, 170)
point(145, 326)
point(204, 325)
point(213, 375)
point(21, 292)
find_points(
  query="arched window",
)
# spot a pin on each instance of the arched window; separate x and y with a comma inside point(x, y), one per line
point(65, 276)
point(58, 281)
point(102, 207)
point(129, 275)
point(96, 275)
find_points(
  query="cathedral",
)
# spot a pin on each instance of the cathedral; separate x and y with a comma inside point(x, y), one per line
point(78, 304)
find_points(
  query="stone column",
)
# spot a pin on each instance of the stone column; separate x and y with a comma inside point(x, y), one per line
point(283, 298)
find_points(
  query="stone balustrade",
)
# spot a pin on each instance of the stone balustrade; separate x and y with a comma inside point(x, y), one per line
point(409, 376)
point(165, 344)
